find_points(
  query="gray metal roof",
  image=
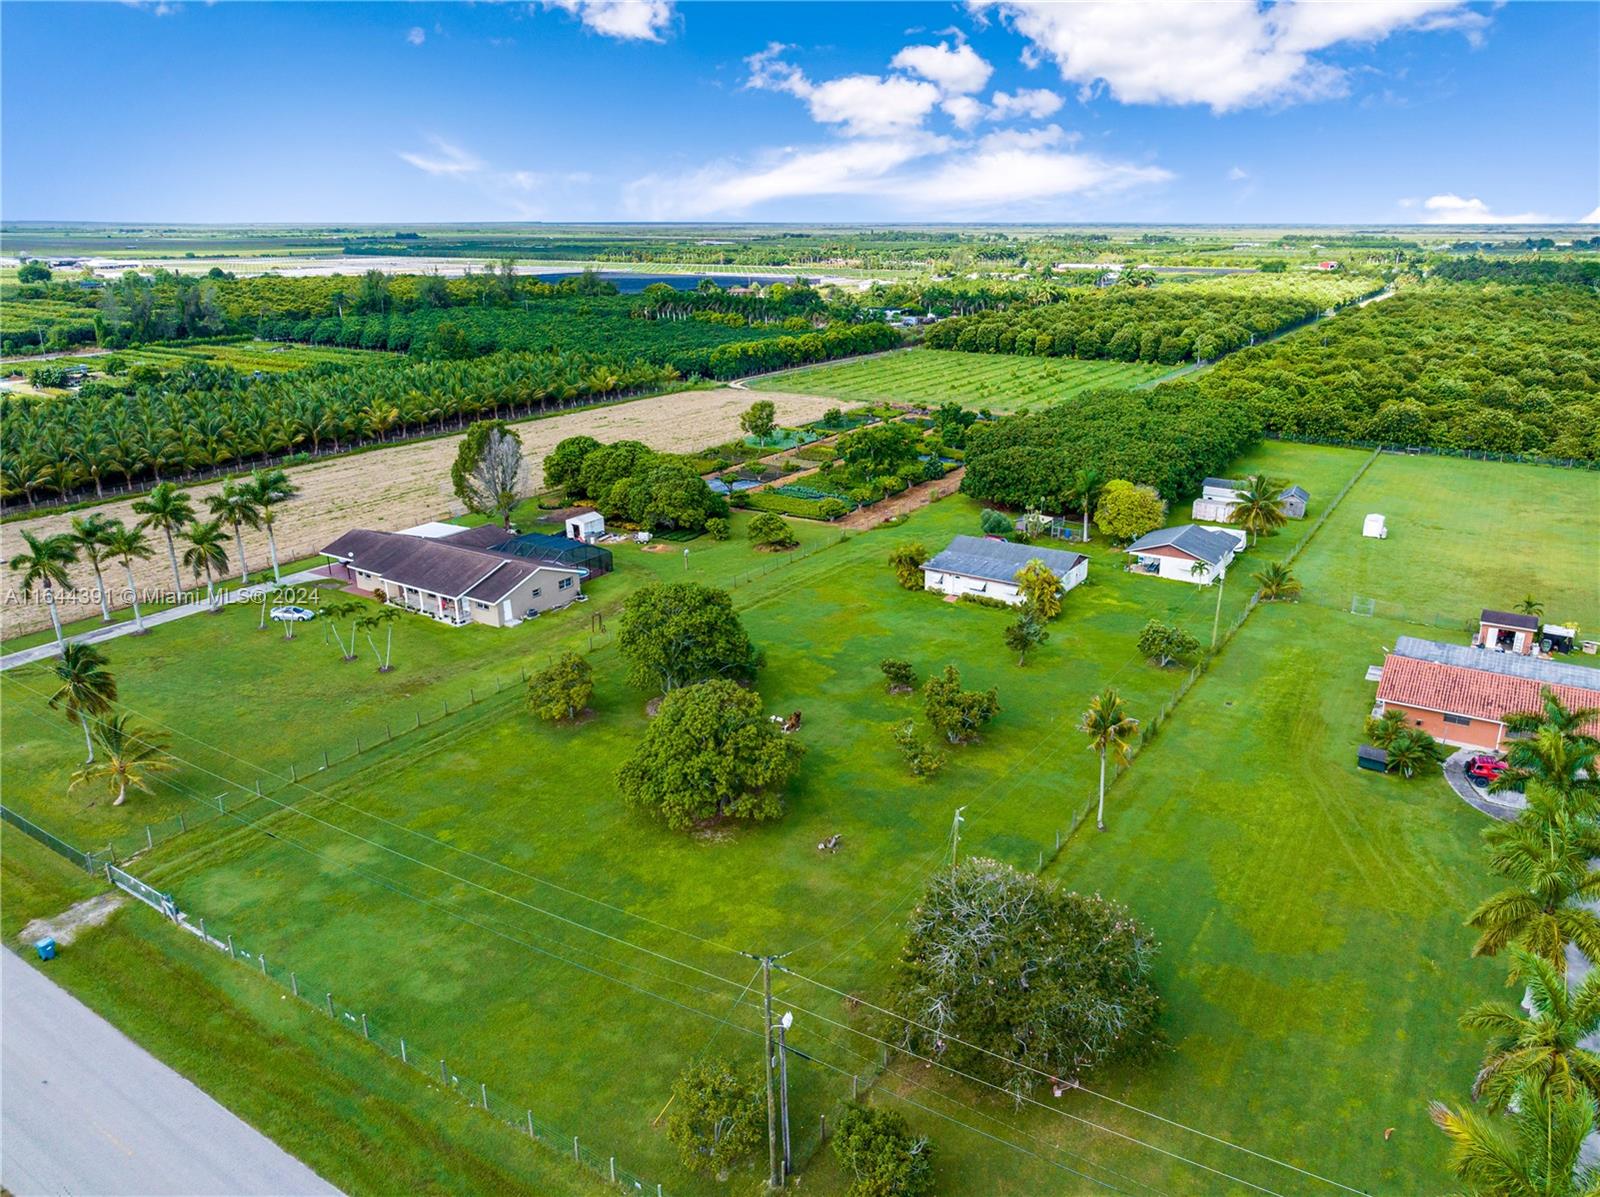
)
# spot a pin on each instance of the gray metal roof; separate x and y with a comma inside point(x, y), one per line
point(997, 560)
point(1295, 492)
point(1222, 483)
point(1203, 544)
point(1537, 669)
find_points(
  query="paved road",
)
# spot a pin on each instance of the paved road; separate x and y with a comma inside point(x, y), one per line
point(154, 619)
point(85, 1110)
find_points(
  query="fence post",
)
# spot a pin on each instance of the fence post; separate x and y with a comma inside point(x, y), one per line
point(853, 1087)
point(291, 772)
point(294, 984)
point(325, 756)
point(203, 934)
point(358, 745)
point(613, 1169)
point(220, 807)
point(403, 1059)
point(263, 959)
point(530, 1125)
point(472, 696)
point(149, 839)
point(231, 956)
point(258, 787)
point(575, 1154)
point(444, 1077)
point(388, 732)
point(181, 825)
point(364, 1033)
point(419, 717)
point(330, 1005)
point(483, 1090)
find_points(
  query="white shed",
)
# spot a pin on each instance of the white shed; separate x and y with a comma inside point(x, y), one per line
point(588, 526)
point(1375, 528)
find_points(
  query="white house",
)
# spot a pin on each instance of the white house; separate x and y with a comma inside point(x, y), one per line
point(1219, 496)
point(1187, 553)
point(587, 525)
point(981, 566)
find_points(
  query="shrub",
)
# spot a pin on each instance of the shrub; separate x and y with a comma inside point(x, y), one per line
point(906, 560)
point(902, 678)
point(717, 1118)
point(1163, 643)
point(985, 600)
point(881, 1155)
point(832, 509)
point(562, 690)
point(718, 528)
point(771, 531)
point(816, 453)
point(921, 758)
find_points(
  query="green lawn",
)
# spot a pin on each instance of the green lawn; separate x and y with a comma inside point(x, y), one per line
point(998, 382)
point(1313, 958)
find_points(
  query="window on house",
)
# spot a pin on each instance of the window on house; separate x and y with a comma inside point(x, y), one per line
point(1458, 720)
point(564, 584)
point(535, 592)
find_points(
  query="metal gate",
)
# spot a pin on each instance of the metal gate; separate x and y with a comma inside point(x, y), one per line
point(148, 894)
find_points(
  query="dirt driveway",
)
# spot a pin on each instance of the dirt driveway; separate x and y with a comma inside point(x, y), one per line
point(402, 486)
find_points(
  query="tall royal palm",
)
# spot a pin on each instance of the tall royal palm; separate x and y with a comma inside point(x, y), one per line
point(1546, 857)
point(128, 545)
point(1539, 1041)
point(85, 688)
point(43, 566)
point(1258, 506)
point(235, 504)
point(171, 510)
point(1535, 1152)
point(1110, 733)
point(1554, 712)
point(271, 488)
point(1087, 483)
point(89, 538)
point(206, 554)
point(1561, 763)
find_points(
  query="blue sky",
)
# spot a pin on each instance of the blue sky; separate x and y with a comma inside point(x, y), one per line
point(566, 110)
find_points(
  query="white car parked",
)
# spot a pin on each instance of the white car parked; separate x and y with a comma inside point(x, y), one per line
point(292, 614)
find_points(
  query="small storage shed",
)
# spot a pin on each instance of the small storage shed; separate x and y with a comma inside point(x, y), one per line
point(1375, 527)
point(588, 526)
point(1376, 759)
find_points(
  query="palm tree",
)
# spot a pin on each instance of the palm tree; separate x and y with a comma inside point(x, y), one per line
point(383, 617)
point(271, 488)
point(281, 594)
point(130, 757)
point(1412, 751)
point(1530, 606)
point(1258, 506)
point(331, 614)
point(1087, 483)
point(1533, 1153)
point(170, 509)
point(1562, 764)
point(86, 689)
point(127, 545)
point(1277, 583)
point(44, 567)
point(1547, 861)
point(1109, 729)
point(206, 554)
point(88, 536)
point(1542, 1044)
point(1553, 712)
point(236, 504)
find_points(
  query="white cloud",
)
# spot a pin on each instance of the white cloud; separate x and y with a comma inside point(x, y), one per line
point(1238, 174)
point(1032, 102)
point(1455, 209)
point(865, 105)
point(920, 173)
point(625, 20)
point(956, 72)
point(965, 111)
point(446, 158)
point(417, 36)
point(1227, 54)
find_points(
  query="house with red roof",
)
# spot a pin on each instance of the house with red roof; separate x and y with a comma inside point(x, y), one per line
point(1461, 694)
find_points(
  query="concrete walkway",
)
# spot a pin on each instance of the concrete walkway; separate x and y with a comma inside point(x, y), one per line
point(84, 1109)
point(1505, 806)
point(126, 627)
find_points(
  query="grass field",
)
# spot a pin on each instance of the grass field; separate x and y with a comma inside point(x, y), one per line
point(998, 382)
point(1313, 959)
point(268, 357)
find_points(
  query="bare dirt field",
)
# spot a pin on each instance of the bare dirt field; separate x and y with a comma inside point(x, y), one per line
point(399, 487)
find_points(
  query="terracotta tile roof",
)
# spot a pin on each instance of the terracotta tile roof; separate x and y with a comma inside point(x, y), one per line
point(1475, 693)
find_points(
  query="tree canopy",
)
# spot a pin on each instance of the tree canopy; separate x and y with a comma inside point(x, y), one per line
point(675, 634)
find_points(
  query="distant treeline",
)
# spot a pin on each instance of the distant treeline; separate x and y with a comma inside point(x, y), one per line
point(1566, 271)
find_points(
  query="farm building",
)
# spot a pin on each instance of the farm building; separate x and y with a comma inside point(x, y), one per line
point(468, 575)
point(1507, 632)
point(1219, 496)
point(1188, 553)
point(1461, 695)
point(587, 525)
point(980, 566)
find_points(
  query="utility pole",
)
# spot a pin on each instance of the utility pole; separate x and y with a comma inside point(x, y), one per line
point(1216, 620)
point(783, 1087)
point(775, 1172)
point(955, 835)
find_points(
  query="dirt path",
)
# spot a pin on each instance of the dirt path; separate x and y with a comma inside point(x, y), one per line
point(64, 927)
point(907, 500)
point(396, 488)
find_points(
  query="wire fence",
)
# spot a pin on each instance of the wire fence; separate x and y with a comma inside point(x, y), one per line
point(1563, 463)
point(320, 994)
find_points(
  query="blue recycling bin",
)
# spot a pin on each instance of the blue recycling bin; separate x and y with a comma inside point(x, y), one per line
point(46, 949)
